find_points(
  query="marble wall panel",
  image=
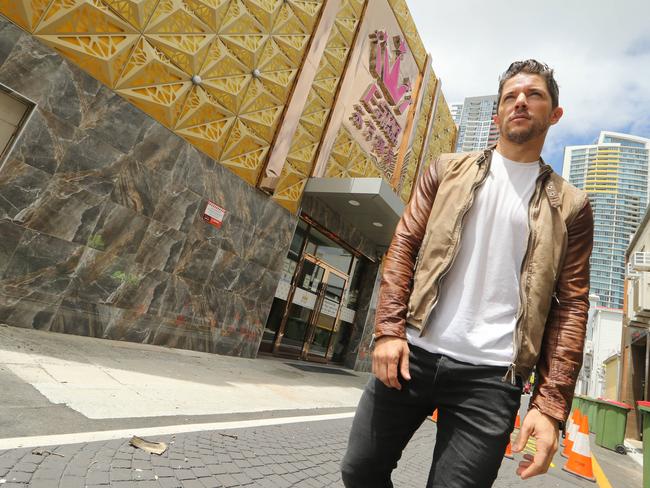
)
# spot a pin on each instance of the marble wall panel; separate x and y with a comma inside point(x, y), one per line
point(65, 211)
point(108, 239)
point(119, 230)
point(177, 207)
point(199, 252)
point(11, 235)
point(112, 119)
point(104, 277)
point(40, 74)
point(9, 35)
point(20, 186)
point(158, 148)
point(183, 300)
point(92, 164)
point(27, 308)
point(138, 188)
point(233, 336)
point(83, 318)
point(44, 141)
point(41, 262)
point(160, 248)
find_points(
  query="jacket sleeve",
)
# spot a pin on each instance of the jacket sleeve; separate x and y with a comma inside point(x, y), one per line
point(562, 346)
point(399, 263)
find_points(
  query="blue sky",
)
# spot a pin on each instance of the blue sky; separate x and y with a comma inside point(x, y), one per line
point(600, 51)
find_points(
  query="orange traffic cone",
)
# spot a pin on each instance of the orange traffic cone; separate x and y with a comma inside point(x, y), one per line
point(567, 429)
point(579, 462)
point(434, 416)
point(571, 433)
point(508, 453)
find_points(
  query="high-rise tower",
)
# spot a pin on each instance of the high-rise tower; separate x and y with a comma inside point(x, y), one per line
point(476, 130)
point(614, 172)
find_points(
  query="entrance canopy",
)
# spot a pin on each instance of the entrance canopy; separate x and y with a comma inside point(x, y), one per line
point(369, 204)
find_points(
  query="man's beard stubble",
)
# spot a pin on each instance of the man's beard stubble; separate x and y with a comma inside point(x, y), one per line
point(522, 137)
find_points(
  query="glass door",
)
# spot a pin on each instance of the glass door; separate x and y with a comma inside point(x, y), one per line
point(326, 315)
point(300, 313)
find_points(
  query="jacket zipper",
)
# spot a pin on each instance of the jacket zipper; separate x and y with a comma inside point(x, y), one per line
point(511, 372)
point(459, 224)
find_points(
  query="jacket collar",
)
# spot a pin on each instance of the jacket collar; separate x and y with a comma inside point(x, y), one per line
point(545, 171)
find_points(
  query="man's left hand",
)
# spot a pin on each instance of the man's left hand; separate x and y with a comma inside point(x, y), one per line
point(545, 430)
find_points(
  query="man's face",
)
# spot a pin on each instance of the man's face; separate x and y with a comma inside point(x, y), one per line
point(525, 109)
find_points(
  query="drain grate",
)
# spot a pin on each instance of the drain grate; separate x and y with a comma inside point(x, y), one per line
point(320, 369)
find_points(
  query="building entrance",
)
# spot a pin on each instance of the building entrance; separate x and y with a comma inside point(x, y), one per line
point(314, 306)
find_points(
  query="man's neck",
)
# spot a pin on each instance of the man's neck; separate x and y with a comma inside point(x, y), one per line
point(530, 152)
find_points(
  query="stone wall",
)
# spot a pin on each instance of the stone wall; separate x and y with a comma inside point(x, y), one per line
point(100, 218)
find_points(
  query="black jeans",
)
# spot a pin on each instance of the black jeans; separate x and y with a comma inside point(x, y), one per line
point(476, 414)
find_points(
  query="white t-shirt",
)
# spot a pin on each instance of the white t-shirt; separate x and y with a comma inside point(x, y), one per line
point(474, 319)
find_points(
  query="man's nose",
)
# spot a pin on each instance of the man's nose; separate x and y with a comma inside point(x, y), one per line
point(521, 101)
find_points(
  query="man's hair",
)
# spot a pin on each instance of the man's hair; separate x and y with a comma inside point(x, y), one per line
point(533, 67)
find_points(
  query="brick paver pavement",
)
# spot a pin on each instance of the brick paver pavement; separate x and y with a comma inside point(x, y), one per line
point(302, 455)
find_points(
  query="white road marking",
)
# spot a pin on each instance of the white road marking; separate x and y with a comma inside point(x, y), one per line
point(62, 439)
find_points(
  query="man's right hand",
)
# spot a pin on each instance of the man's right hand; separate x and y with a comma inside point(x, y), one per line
point(391, 354)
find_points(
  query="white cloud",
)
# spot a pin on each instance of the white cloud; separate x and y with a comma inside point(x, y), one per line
point(600, 51)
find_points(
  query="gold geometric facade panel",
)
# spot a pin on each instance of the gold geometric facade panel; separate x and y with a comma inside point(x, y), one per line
point(187, 51)
point(259, 98)
point(25, 13)
point(263, 122)
point(201, 108)
point(305, 143)
point(163, 102)
point(292, 19)
point(406, 184)
point(406, 22)
point(242, 140)
point(239, 20)
point(175, 17)
point(209, 137)
point(349, 160)
point(149, 66)
point(102, 56)
point(135, 12)
point(218, 72)
point(443, 134)
point(209, 11)
point(229, 90)
point(277, 82)
point(82, 17)
point(247, 48)
point(264, 11)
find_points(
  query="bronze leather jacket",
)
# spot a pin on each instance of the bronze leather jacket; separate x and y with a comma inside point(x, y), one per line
point(554, 281)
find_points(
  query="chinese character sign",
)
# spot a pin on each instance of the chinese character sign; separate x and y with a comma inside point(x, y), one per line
point(376, 115)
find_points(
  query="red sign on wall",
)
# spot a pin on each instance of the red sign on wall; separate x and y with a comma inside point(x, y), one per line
point(214, 214)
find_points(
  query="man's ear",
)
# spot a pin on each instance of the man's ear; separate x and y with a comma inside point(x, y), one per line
point(556, 115)
point(496, 120)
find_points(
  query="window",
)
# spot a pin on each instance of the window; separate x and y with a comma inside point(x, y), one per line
point(14, 112)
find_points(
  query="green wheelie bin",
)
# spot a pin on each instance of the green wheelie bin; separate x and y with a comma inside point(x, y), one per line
point(644, 408)
point(611, 422)
point(589, 408)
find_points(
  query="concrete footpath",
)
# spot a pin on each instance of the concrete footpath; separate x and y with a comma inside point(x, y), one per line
point(70, 405)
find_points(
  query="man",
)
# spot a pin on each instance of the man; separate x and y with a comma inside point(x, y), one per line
point(486, 278)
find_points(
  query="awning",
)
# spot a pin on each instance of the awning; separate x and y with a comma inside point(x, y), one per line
point(369, 204)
